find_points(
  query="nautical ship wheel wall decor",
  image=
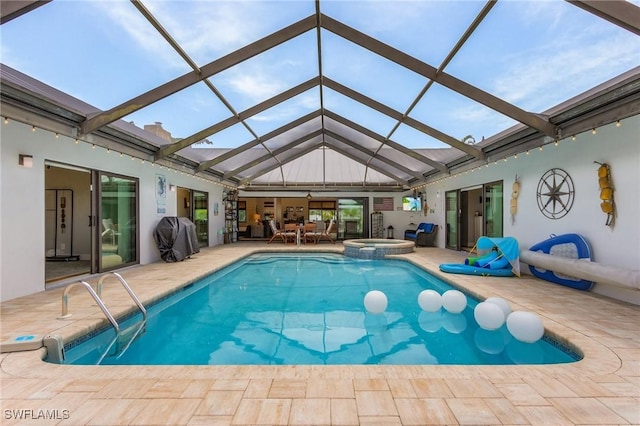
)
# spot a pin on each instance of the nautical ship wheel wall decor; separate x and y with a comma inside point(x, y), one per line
point(555, 193)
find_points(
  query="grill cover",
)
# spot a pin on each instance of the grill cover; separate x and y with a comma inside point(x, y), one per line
point(176, 238)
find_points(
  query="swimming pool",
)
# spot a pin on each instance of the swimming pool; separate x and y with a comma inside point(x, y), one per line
point(292, 309)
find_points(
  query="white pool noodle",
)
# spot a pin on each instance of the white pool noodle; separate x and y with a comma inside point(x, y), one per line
point(582, 268)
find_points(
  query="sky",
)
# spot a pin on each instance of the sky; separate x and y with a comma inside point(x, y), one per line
point(533, 54)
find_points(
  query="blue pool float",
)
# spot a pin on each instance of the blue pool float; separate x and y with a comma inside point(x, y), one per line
point(460, 268)
point(498, 257)
point(572, 246)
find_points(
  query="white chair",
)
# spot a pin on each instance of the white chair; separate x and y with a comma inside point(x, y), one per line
point(276, 232)
point(109, 230)
point(326, 234)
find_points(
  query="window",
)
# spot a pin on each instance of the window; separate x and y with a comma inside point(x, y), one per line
point(322, 210)
point(242, 211)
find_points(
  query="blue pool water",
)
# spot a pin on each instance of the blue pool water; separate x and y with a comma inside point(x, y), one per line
point(295, 309)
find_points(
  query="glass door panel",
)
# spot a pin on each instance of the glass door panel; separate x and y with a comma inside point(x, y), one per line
point(493, 209)
point(351, 217)
point(201, 216)
point(322, 210)
point(118, 199)
point(452, 215)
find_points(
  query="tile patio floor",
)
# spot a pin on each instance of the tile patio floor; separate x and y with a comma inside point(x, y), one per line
point(602, 389)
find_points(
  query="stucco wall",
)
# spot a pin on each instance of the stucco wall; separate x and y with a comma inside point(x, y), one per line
point(22, 200)
point(619, 147)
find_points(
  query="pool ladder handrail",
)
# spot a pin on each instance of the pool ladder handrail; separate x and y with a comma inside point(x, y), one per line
point(65, 303)
point(126, 287)
point(96, 297)
point(137, 328)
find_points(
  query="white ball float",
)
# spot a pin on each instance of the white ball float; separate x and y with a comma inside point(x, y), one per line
point(454, 301)
point(525, 326)
point(489, 316)
point(430, 300)
point(504, 305)
point(375, 302)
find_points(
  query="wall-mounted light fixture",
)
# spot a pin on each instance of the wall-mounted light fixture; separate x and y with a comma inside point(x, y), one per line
point(25, 160)
point(308, 195)
point(172, 188)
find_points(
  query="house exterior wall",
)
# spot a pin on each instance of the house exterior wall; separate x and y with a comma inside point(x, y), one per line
point(617, 246)
point(22, 242)
point(22, 246)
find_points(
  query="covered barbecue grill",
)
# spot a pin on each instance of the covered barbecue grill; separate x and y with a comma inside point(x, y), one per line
point(176, 238)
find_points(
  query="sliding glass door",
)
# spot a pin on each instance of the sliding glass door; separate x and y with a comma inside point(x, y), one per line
point(493, 209)
point(457, 213)
point(353, 217)
point(452, 219)
point(118, 212)
point(194, 205)
point(200, 215)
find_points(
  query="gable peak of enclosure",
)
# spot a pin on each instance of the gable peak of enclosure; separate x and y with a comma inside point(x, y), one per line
point(325, 95)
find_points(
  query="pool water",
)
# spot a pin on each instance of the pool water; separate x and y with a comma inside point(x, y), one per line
point(292, 309)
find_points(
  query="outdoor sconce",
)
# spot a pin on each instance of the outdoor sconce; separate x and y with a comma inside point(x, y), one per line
point(172, 188)
point(25, 160)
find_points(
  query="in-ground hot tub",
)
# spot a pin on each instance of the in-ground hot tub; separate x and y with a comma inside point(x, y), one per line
point(376, 248)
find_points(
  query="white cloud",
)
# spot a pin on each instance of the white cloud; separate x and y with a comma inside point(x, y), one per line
point(539, 78)
point(209, 29)
point(477, 120)
point(124, 17)
point(309, 101)
point(293, 109)
point(383, 16)
point(540, 13)
point(205, 30)
point(255, 86)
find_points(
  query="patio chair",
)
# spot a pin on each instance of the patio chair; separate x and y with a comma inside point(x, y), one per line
point(290, 232)
point(310, 233)
point(326, 234)
point(110, 230)
point(423, 236)
point(276, 232)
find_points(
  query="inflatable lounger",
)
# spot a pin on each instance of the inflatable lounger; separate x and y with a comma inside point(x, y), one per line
point(460, 268)
point(571, 246)
point(492, 264)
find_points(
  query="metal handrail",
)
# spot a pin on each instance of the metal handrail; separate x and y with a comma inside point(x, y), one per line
point(139, 327)
point(126, 286)
point(96, 297)
point(105, 311)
